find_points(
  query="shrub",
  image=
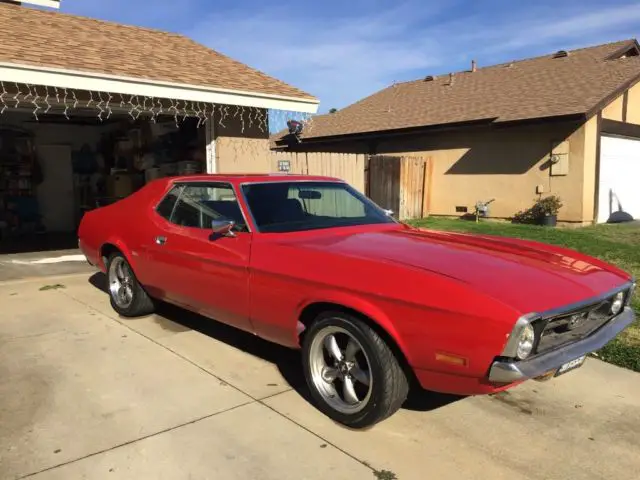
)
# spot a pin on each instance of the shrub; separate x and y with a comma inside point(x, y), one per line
point(543, 207)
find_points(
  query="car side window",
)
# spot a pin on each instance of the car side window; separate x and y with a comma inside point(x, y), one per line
point(200, 204)
point(166, 206)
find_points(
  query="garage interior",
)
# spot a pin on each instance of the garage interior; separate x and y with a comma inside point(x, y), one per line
point(62, 157)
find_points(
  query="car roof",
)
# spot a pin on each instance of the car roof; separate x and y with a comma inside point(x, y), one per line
point(238, 178)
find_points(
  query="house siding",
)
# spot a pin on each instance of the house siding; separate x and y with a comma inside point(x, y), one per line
point(242, 155)
point(590, 141)
point(613, 111)
point(242, 143)
point(506, 164)
point(633, 105)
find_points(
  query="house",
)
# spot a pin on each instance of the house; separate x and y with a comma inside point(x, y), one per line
point(91, 110)
point(567, 123)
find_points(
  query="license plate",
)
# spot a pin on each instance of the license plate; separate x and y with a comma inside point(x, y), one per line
point(572, 365)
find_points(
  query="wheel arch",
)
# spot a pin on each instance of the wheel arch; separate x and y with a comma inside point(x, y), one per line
point(112, 246)
point(369, 314)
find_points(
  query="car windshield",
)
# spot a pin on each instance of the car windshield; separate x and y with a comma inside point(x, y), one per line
point(298, 206)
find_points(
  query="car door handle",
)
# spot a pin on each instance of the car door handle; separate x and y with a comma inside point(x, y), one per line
point(161, 240)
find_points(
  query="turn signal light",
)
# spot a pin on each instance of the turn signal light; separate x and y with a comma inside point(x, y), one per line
point(451, 359)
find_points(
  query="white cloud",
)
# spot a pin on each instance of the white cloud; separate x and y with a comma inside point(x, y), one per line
point(338, 60)
point(343, 58)
point(579, 28)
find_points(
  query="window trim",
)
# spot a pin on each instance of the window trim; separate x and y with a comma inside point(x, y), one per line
point(336, 181)
point(207, 183)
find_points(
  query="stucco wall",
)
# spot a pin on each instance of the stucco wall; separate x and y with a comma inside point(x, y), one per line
point(590, 130)
point(242, 155)
point(633, 105)
point(502, 163)
point(505, 163)
point(613, 111)
point(242, 142)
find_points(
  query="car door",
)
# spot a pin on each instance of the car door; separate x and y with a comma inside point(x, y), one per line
point(193, 267)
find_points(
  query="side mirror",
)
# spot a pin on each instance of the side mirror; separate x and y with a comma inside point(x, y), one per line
point(223, 227)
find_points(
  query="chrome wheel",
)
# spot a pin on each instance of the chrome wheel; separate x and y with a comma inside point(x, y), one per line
point(121, 282)
point(340, 370)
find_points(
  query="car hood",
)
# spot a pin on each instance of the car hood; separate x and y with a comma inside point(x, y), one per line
point(529, 276)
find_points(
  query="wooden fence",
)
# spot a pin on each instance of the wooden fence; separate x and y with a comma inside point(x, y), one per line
point(395, 183)
point(346, 166)
point(399, 184)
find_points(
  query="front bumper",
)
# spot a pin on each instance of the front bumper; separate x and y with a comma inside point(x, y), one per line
point(506, 371)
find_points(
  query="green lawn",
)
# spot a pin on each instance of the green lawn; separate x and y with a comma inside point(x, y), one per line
point(617, 244)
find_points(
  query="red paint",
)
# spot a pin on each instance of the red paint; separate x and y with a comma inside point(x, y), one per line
point(430, 291)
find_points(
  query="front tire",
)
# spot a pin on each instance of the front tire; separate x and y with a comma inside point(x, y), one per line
point(353, 375)
point(127, 296)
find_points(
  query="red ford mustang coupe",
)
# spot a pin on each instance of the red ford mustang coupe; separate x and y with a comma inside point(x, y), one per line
point(308, 262)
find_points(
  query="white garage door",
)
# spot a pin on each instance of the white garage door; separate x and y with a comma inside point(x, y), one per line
point(619, 177)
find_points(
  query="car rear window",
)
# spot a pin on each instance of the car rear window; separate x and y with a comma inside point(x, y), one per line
point(166, 206)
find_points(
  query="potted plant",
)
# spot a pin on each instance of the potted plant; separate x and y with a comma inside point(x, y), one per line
point(547, 209)
point(543, 212)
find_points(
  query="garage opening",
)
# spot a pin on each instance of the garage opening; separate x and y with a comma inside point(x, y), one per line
point(618, 196)
point(62, 157)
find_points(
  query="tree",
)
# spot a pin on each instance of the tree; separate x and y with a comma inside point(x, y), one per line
point(333, 110)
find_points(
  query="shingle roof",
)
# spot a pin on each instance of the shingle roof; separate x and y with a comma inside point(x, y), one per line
point(52, 39)
point(533, 88)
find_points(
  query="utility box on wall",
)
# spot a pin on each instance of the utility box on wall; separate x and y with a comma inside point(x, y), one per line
point(559, 158)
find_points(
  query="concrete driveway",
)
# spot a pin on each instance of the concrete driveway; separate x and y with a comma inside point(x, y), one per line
point(86, 394)
point(20, 266)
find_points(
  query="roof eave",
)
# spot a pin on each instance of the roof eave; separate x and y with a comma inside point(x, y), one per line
point(493, 121)
point(392, 132)
point(102, 82)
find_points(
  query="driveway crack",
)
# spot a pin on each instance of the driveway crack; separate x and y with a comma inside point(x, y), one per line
point(169, 429)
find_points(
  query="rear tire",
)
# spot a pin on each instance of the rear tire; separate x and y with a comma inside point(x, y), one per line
point(127, 296)
point(352, 374)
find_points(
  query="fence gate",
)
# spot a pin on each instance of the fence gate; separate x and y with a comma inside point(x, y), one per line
point(398, 184)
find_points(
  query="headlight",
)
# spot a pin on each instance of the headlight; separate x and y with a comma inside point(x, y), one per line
point(522, 339)
point(526, 340)
point(617, 304)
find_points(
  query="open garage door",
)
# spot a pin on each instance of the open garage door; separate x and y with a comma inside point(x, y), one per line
point(619, 188)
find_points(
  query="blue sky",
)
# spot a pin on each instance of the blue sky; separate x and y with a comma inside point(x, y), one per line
point(342, 51)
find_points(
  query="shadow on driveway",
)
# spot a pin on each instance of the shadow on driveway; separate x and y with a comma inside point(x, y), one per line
point(287, 361)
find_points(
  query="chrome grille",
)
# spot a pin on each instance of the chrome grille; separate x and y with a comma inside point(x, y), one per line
point(573, 325)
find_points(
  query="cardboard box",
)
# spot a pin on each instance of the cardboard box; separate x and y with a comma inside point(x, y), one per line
point(123, 184)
